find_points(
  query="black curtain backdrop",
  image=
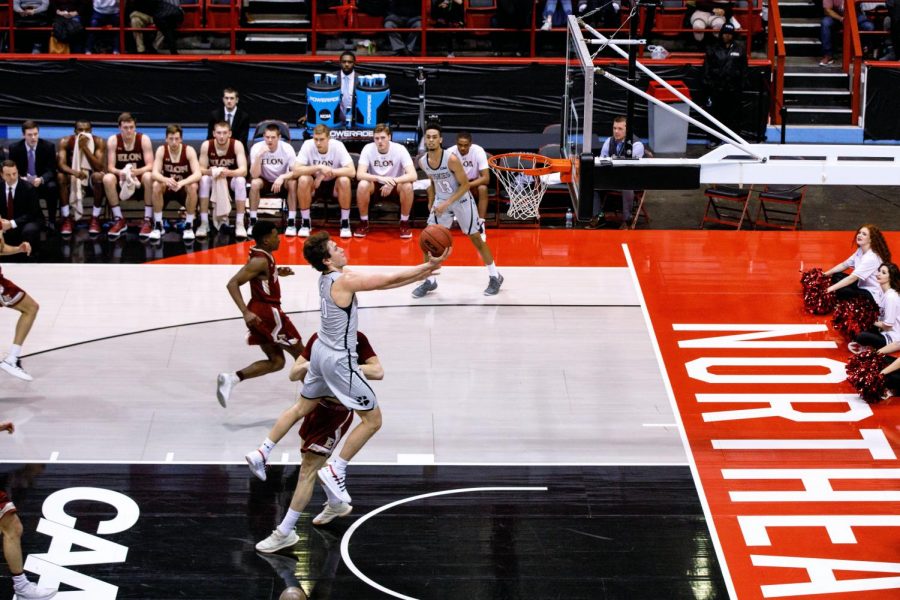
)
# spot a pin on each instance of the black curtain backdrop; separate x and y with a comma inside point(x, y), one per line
point(881, 104)
point(521, 98)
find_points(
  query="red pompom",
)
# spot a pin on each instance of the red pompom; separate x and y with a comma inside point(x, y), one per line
point(816, 299)
point(854, 315)
point(864, 374)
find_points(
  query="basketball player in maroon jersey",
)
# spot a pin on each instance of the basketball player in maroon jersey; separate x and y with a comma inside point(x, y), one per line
point(96, 158)
point(14, 297)
point(320, 433)
point(176, 177)
point(270, 328)
point(128, 147)
point(225, 153)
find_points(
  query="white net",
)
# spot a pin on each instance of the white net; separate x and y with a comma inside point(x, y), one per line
point(524, 191)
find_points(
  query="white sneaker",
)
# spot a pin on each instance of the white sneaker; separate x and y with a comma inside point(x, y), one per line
point(276, 542)
point(250, 229)
point(15, 369)
point(156, 234)
point(334, 482)
point(257, 463)
point(188, 234)
point(291, 230)
point(345, 229)
point(225, 382)
point(30, 591)
point(240, 232)
point(548, 23)
point(203, 231)
point(305, 228)
point(856, 347)
point(331, 513)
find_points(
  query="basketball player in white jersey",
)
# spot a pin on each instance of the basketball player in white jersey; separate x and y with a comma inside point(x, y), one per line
point(324, 167)
point(475, 164)
point(333, 365)
point(449, 197)
point(271, 169)
point(223, 157)
point(385, 167)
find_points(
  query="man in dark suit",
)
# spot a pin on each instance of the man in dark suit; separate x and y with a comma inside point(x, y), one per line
point(36, 162)
point(231, 113)
point(20, 210)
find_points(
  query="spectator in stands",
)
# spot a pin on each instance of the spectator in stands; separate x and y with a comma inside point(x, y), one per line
point(475, 164)
point(449, 13)
point(77, 172)
point(832, 23)
point(30, 13)
point(140, 18)
point(709, 15)
point(20, 211)
point(616, 146)
point(167, 15)
point(106, 13)
point(67, 25)
point(36, 162)
point(403, 14)
point(128, 147)
point(603, 13)
point(513, 14)
point(894, 28)
point(223, 162)
point(237, 118)
point(271, 169)
point(386, 169)
point(724, 70)
point(550, 9)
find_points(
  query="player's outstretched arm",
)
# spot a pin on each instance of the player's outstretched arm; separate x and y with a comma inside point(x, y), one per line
point(352, 282)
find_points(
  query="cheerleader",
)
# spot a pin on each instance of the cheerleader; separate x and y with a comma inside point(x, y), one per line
point(872, 251)
point(887, 329)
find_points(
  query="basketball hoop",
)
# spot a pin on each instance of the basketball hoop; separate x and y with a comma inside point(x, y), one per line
point(525, 178)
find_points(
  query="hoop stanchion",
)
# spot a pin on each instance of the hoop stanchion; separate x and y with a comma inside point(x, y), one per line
point(525, 178)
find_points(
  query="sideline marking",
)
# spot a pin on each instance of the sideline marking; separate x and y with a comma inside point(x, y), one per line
point(53, 456)
point(170, 456)
point(345, 541)
point(714, 535)
point(415, 459)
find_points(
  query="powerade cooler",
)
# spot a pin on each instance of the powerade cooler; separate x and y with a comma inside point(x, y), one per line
point(372, 103)
point(323, 105)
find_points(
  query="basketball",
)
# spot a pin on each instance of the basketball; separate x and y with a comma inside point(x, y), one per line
point(292, 593)
point(435, 239)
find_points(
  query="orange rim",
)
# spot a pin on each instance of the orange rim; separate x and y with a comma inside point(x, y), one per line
point(549, 165)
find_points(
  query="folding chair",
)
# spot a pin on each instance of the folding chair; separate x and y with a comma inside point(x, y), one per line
point(728, 205)
point(779, 207)
point(638, 210)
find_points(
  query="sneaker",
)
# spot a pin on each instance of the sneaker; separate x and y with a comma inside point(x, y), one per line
point(334, 482)
point(30, 591)
point(345, 229)
point(94, 228)
point(827, 60)
point(276, 542)
point(425, 287)
point(146, 229)
point(548, 23)
point(68, 225)
point(493, 287)
point(225, 382)
point(15, 369)
point(405, 231)
point(482, 230)
point(250, 229)
point(156, 234)
point(240, 232)
point(203, 231)
point(117, 229)
point(362, 230)
point(305, 226)
point(596, 222)
point(331, 513)
point(291, 230)
point(257, 463)
point(188, 234)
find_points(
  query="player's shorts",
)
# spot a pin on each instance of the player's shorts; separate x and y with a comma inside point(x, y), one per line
point(10, 293)
point(334, 373)
point(7, 506)
point(376, 192)
point(465, 211)
point(267, 189)
point(325, 189)
point(274, 327)
point(170, 196)
point(324, 427)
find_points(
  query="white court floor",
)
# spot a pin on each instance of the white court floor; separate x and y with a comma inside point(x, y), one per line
point(558, 368)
